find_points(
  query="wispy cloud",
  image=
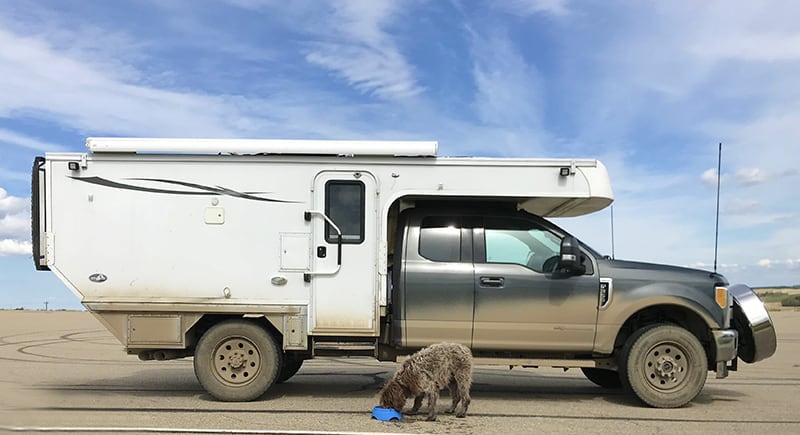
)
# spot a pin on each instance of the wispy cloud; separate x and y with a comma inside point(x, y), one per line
point(526, 8)
point(357, 49)
point(750, 176)
point(8, 137)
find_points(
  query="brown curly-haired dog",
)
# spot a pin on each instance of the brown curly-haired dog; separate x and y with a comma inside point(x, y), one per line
point(426, 372)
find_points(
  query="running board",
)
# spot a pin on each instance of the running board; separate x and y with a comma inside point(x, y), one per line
point(345, 348)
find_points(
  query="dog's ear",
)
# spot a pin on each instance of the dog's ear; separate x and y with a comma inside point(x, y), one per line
point(393, 396)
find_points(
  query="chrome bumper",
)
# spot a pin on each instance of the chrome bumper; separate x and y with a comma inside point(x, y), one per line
point(757, 340)
point(726, 341)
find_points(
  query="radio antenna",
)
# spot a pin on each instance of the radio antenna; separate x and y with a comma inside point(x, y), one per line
point(612, 233)
point(716, 229)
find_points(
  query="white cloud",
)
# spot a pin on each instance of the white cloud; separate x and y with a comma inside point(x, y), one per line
point(15, 247)
point(11, 204)
point(360, 51)
point(709, 177)
point(789, 263)
point(750, 176)
point(39, 79)
point(750, 47)
point(13, 138)
point(509, 90)
point(739, 206)
point(15, 224)
point(526, 8)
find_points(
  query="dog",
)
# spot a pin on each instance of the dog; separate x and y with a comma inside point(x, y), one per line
point(425, 373)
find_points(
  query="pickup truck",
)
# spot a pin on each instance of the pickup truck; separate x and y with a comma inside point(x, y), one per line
point(517, 287)
point(252, 256)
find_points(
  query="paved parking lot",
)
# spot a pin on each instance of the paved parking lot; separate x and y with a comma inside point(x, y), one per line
point(62, 372)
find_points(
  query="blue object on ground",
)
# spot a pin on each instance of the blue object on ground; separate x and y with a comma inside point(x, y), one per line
point(386, 414)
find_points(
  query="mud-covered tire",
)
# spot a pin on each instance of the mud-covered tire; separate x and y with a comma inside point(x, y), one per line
point(236, 361)
point(602, 377)
point(289, 368)
point(664, 365)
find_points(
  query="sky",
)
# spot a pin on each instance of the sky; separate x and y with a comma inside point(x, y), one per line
point(648, 88)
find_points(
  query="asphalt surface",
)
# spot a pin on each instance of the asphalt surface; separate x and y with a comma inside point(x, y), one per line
point(62, 372)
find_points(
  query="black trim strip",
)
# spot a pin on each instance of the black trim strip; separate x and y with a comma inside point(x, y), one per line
point(204, 190)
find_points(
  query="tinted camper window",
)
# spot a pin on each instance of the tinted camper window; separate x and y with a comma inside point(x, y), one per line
point(344, 204)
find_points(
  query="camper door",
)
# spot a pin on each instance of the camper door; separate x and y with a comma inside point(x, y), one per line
point(343, 277)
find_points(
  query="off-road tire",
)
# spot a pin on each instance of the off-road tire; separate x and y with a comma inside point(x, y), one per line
point(603, 377)
point(289, 368)
point(236, 360)
point(664, 365)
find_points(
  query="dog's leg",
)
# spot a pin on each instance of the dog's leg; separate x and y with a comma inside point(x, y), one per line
point(417, 404)
point(465, 399)
point(433, 396)
point(455, 393)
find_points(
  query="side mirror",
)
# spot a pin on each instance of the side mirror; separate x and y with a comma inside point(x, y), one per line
point(571, 256)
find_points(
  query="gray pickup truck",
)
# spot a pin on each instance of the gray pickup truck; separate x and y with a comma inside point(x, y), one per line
point(519, 289)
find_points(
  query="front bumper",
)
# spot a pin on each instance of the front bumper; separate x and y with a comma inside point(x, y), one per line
point(727, 344)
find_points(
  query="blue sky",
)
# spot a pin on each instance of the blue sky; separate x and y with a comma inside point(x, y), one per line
point(649, 88)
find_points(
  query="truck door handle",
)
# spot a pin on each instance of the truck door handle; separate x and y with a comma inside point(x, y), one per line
point(492, 281)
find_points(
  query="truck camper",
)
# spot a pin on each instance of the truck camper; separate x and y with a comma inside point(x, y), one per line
point(252, 256)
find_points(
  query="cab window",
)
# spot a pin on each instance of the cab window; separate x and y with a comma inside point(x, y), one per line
point(517, 241)
point(440, 238)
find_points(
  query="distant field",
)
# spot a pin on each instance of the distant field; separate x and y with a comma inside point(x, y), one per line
point(777, 297)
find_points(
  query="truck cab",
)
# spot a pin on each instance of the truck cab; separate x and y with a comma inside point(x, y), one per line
point(512, 285)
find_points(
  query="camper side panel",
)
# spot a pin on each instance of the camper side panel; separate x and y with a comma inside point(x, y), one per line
point(181, 231)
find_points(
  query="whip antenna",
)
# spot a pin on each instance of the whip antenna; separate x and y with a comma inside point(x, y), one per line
point(716, 229)
point(612, 233)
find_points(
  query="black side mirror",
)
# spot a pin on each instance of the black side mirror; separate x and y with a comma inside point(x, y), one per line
point(571, 256)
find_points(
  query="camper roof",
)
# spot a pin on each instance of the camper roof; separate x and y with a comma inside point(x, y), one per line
point(261, 146)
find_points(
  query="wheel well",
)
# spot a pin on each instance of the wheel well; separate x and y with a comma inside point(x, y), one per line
point(680, 316)
point(208, 320)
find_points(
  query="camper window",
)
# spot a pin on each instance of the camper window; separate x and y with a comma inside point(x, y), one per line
point(344, 204)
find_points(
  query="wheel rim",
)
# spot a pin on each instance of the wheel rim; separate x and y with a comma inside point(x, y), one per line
point(666, 366)
point(236, 361)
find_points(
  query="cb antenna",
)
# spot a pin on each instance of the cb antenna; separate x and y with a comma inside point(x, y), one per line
point(716, 230)
point(612, 233)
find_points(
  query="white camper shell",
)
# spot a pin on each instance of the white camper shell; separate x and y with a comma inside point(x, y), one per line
point(154, 235)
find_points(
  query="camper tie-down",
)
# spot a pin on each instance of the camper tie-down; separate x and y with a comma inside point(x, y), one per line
point(254, 255)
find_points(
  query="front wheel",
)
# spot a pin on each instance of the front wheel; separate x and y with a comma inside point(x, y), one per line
point(664, 365)
point(236, 361)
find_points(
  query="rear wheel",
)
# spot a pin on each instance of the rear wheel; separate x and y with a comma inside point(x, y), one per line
point(236, 361)
point(290, 367)
point(664, 365)
point(602, 377)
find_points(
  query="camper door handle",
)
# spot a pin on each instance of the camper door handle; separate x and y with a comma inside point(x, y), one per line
point(307, 216)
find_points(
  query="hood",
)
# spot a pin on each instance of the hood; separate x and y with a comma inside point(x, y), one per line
point(635, 270)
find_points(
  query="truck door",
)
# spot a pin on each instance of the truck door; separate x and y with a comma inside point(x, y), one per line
point(438, 280)
point(343, 277)
point(519, 303)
